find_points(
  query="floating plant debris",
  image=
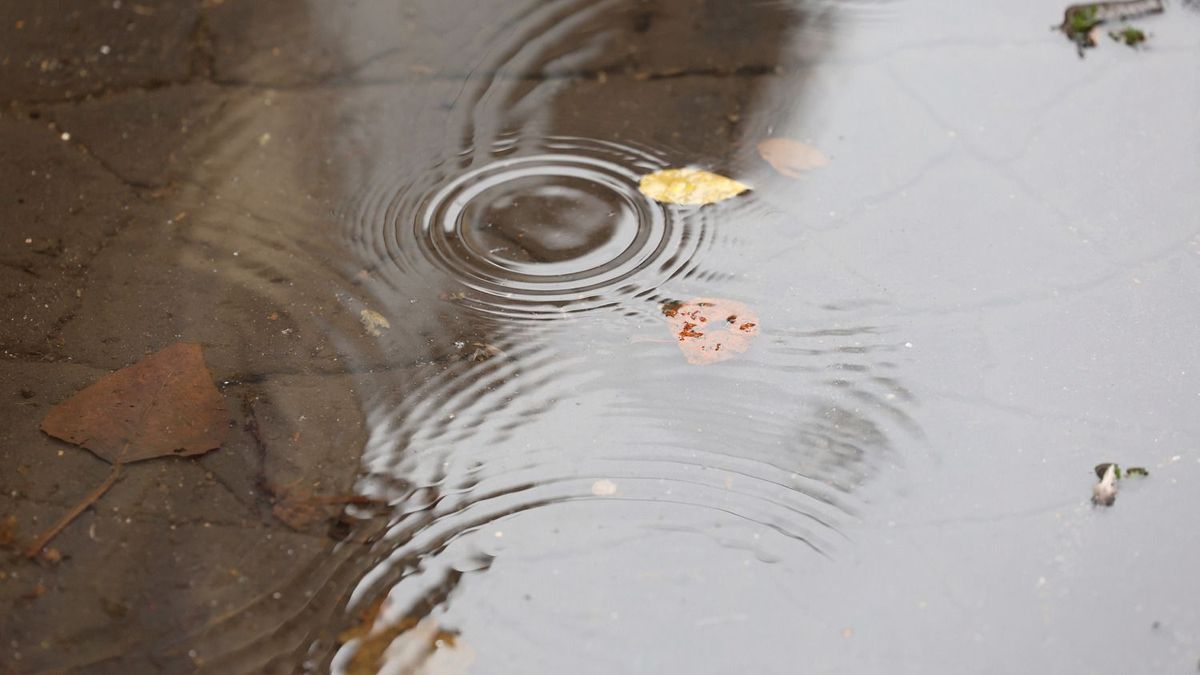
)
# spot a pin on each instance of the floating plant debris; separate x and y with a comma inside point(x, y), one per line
point(1129, 35)
point(1104, 493)
point(710, 330)
point(483, 351)
point(689, 186)
point(789, 157)
point(604, 488)
point(1080, 21)
point(374, 322)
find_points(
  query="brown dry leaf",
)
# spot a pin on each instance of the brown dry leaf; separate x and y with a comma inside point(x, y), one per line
point(689, 186)
point(165, 404)
point(711, 330)
point(791, 158)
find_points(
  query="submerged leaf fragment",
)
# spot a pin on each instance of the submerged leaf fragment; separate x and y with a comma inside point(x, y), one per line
point(710, 330)
point(164, 405)
point(484, 352)
point(410, 646)
point(374, 322)
point(791, 158)
point(8, 530)
point(689, 186)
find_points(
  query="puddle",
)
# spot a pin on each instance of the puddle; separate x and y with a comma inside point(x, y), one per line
point(531, 233)
point(467, 432)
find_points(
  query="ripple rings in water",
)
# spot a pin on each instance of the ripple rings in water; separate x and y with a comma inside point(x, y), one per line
point(561, 230)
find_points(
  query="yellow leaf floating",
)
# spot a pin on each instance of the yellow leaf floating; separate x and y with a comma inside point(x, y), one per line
point(689, 186)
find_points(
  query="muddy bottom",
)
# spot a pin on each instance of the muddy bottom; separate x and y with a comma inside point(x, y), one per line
point(492, 408)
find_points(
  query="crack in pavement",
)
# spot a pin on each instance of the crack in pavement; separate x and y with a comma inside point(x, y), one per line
point(345, 79)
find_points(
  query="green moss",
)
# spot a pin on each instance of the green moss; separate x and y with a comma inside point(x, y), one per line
point(1129, 35)
point(1080, 21)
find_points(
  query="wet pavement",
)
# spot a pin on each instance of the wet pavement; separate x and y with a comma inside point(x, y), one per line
point(410, 239)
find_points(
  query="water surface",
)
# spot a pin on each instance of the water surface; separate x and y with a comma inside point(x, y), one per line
point(990, 288)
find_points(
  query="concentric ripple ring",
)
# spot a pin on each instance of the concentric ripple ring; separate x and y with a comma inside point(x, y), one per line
point(552, 232)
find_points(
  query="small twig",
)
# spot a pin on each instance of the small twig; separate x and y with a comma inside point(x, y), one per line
point(69, 516)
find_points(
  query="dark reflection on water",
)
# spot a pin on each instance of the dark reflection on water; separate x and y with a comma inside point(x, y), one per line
point(549, 383)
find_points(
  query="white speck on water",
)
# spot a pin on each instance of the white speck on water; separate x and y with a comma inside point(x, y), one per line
point(604, 488)
point(65, 136)
point(104, 49)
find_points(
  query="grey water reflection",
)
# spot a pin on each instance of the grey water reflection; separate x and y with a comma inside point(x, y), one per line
point(555, 423)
